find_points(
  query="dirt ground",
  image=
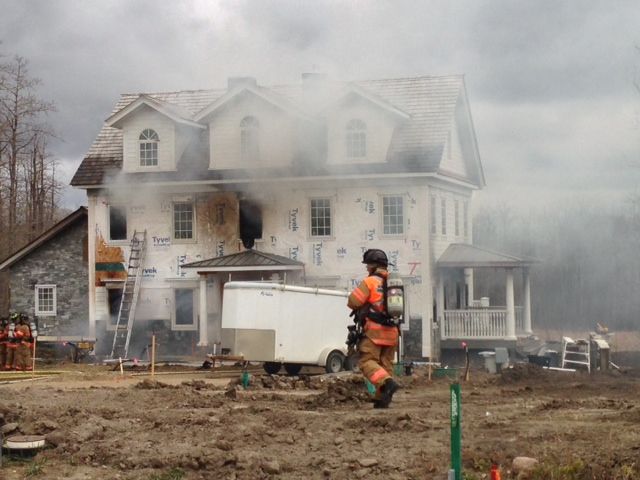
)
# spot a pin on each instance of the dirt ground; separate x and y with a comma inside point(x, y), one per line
point(187, 424)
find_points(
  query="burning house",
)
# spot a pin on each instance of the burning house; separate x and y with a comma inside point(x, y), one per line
point(291, 184)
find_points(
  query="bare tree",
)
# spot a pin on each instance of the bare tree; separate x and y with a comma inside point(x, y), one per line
point(26, 171)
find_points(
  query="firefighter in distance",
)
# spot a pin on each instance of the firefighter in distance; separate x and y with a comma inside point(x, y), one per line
point(379, 341)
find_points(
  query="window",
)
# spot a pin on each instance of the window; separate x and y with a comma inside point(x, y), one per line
point(185, 318)
point(456, 213)
point(465, 217)
point(45, 300)
point(114, 299)
point(320, 217)
point(249, 139)
point(443, 214)
point(392, 215)
point(117, 222)
point(183, 221)
point(434, 225)
point(149, 148)
point(356, 139)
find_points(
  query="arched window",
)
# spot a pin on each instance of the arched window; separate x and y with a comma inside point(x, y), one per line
point(149, 148)
point(356, 139)
point(250, 139)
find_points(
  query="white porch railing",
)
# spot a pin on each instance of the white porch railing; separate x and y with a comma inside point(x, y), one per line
point(480, 323)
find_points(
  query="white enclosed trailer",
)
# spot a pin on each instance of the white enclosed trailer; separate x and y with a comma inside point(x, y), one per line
point(285, 325)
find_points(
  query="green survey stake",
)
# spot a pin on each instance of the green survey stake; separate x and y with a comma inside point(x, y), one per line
point(456, 430)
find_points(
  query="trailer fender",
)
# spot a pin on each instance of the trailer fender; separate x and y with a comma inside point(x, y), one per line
point(322, 360)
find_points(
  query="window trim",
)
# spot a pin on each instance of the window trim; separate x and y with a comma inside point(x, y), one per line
point(433, 228)
point(120, 241)
point(443, 216)
point(456, 216)
point(356, 133)
point(195, 305)
point(331, 219)
point(404, 216)
point(194, 230)
point(149, 133)
point(54, 309)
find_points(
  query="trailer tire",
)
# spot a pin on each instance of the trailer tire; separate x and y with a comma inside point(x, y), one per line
point(272, 367)
point(351, 363)
point(335, 362)
point(292, 368)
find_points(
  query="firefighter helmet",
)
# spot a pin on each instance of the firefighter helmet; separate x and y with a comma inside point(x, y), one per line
point(374, 256)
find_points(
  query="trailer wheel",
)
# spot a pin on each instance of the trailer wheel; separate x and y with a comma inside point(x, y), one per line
point(272, 367)
point(292, 368)
point(335, 362)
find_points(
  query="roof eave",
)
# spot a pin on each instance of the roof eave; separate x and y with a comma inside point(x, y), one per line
point(115, 120)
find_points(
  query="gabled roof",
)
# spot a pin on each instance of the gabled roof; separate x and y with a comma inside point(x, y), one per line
point(175, 112)
point(417, 144)
point(461, 255)
point(260, 92)
point(62, 225)
point(353, 89)
point(249, 260)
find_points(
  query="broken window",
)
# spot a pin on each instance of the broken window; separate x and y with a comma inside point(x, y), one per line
point(149, 148)
point(117, 222)
point(45, 300)
point(114, 299)
point(356, 139)
point(250, 223)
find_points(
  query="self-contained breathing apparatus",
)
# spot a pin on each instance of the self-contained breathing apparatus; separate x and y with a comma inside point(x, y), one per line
point(392, 316)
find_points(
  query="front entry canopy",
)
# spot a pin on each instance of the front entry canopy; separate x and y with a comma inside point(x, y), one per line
point(249, 260)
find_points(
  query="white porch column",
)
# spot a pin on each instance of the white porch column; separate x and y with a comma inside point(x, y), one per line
point(440, 303)
point(204, 341)
point(527, 302)
point(511, 307)
point(468, 280)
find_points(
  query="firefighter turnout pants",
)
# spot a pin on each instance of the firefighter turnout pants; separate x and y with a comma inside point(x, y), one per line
point(9, 363)
point(3, 354)
point(23, 356)
point(376, 362)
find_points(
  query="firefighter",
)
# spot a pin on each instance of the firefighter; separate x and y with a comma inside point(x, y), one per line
point(23, 351)
point(12, 342)
point(4, 322)
point(377, 348)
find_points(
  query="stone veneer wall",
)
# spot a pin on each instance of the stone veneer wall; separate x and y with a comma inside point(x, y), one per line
point(58, 262)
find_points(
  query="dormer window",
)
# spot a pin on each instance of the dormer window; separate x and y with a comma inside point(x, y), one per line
point(356, 139)
point(249, 139)
point(149, 148)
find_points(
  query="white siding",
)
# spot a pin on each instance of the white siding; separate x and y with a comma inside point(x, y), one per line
point(452, 159)
point(380, 128)
point(134, 125)
point(276, 139)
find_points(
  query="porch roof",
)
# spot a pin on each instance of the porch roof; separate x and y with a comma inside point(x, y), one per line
point(459, 255)
point(249, 260)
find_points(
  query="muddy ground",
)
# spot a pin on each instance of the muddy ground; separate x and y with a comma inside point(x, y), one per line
point(194, 425)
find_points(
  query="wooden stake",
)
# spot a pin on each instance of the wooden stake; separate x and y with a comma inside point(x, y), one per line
point(153, 356)
point(33, 360)
point(429, 371)
point(121, 367)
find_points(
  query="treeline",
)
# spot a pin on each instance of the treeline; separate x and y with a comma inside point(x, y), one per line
point(29, 188)
point(589, 268)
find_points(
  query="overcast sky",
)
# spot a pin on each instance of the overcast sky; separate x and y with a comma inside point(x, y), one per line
point(551, 83)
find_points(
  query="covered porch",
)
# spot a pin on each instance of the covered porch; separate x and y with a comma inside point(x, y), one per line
point(464, 317)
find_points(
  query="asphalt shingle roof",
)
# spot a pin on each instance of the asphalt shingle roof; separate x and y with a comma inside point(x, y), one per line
point(417, 143)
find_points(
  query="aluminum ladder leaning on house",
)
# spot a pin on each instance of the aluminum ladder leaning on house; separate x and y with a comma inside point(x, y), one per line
point(130, 291)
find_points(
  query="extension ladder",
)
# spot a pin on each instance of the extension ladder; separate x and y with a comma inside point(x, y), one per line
point(130, 291)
